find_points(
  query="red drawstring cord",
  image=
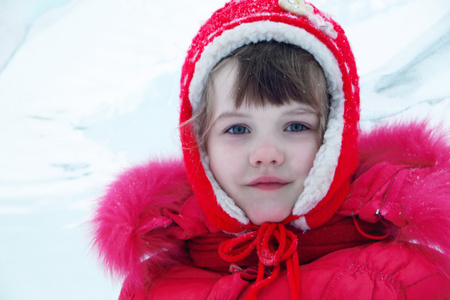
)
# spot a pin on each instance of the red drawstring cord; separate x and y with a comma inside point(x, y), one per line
point(274, 244)
point(369, 236)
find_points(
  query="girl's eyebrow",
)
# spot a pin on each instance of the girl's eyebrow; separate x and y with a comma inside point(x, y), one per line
point(231, 114)
point(236, 114)
point(301, 111)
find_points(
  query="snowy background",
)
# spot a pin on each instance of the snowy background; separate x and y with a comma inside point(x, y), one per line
point(90, 87)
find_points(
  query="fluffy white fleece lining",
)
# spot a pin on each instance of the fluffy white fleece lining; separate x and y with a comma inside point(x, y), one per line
point(322, 173)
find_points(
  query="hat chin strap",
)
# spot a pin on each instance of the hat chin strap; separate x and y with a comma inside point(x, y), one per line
point(227, 204)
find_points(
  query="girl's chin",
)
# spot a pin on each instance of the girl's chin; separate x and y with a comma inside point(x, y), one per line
point(270, 216)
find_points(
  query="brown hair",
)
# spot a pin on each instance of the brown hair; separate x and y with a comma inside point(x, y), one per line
point(269, 73)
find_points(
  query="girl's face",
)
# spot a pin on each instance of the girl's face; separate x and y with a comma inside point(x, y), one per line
point(260, 156)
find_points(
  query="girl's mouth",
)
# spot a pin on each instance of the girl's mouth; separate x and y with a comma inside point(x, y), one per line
point(268, 183)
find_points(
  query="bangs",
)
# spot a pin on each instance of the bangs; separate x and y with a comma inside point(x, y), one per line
point(277, 74)
point(268, 73)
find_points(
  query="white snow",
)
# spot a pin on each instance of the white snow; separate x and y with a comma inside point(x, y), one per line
point(90, 87)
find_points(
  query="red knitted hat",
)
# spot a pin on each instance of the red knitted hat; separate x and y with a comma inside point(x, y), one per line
point(242, 22)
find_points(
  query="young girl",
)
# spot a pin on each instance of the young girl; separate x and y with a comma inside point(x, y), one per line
point(272, 200)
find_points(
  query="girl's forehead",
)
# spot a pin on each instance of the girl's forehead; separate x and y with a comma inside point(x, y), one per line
point(224, 83)
point(225, 70)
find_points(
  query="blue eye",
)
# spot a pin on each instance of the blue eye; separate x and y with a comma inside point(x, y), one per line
point(295, 127)
point(237, 129)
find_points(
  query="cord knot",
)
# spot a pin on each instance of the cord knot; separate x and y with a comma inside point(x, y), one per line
point(274, 244)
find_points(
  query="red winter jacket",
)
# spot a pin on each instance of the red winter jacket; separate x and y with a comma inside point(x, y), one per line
point(150, 229)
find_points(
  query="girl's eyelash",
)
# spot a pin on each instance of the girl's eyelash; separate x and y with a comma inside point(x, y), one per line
point(237, 129)
point(296, 127)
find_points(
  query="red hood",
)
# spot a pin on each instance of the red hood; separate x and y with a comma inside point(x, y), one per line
point(249, 21)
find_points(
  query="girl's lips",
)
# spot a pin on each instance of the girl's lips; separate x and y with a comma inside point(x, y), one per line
point(268, 186)
point(268, 183)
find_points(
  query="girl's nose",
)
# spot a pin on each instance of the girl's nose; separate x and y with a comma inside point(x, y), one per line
point(266, 154)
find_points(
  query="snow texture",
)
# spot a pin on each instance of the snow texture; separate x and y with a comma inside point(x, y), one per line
point(90, 87)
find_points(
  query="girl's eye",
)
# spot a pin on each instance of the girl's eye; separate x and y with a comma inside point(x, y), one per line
point(295, 127)
point(237, 129)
